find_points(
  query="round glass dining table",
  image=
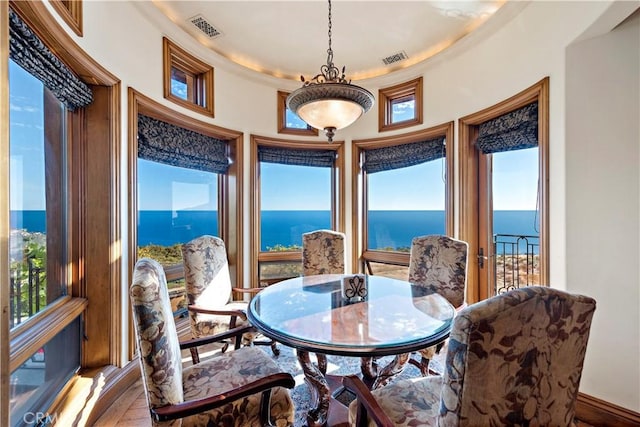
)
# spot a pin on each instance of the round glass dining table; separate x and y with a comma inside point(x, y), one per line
point(312, 314)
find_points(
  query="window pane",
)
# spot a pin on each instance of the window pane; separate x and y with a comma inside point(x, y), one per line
point(175, 205)
point(516, 222)
point(399, 272)
point(179, 86)
point(293, 200)
point(403, 109)
point(34, 385)
point(405, 203)
point(37, 205)
point(293, 121)
point(272, 272)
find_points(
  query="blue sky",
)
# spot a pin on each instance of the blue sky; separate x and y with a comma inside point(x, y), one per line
point(419, 187)
point(26, 130)
point(284, 187)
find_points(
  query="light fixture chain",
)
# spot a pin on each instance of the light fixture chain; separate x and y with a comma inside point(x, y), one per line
point(347, 101)
point(330, 51)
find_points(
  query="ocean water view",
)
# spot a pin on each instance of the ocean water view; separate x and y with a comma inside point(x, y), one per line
point(387, 229)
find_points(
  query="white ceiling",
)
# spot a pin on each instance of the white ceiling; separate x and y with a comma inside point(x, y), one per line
point(289, 38)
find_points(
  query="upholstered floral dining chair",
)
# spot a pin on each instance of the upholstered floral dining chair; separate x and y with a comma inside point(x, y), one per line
point(209, 292)
point(439, 263)
point(244, 387)
point(514, 359)
point(323, 253)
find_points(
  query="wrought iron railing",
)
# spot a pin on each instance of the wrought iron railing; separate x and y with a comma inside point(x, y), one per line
point(24, 303)
point(516, 261)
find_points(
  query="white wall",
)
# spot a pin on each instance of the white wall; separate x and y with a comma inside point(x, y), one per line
point(603, 199)
point(126, 39)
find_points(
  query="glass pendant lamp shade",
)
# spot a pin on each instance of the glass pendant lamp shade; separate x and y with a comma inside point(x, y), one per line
point(330, 106)
point(328, 101)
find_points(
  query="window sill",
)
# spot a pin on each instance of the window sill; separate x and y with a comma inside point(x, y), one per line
point(27, 338)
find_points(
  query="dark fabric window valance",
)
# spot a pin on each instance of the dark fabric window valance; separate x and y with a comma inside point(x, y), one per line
point(163, 142)
point(298, 157)
point(404, 155)
point(27, 50)
point(512, 131)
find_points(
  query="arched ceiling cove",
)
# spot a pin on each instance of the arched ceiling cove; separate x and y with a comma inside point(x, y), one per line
point(289, 38)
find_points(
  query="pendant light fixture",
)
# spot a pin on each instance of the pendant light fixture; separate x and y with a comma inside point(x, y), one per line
point(328, 101)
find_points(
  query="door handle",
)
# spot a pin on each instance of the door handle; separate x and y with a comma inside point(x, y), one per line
point(481, 258)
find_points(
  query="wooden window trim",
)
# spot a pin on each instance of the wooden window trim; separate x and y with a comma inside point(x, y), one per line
point(71, 13)
point(387, 96)
point(359, 192)
point(282, 119)
point(337, 199)
point(468, 177)
point(176, 57)
point(5, 356)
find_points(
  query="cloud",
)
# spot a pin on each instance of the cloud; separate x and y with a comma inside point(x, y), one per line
point(26, 125)
point(25, 108)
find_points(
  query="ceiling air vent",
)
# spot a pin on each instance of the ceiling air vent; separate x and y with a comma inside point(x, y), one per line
point(201, 23)
point(396, 57)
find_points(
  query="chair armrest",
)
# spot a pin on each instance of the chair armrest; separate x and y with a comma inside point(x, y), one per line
point(198, 309)
point(191, 407)
point(247, 290)
point(231, 333)
point(367, 404)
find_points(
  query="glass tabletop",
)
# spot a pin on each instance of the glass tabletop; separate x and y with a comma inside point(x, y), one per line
point(311, 313)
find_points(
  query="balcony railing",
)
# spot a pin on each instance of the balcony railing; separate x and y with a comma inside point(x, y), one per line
point(516, 261)
point(25, 295)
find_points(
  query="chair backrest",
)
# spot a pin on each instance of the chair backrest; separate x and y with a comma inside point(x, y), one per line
point(206, 272)
point(440, 263)
point(516, 359)
point(323, 252)
point(156, 335)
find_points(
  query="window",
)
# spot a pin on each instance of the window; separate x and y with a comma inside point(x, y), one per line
point(177, 188)
point(400, 106)
point(37, 205)
point(403, 192)
point(49, 368)
point(185, 182)
point(187, 80)
point(296, 189)
point(71, 12)
point(289, 122)
point(175, 205)
point(49, 131)
point(515, 217)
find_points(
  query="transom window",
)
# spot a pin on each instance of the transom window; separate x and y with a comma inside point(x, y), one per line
point(289, 122)
point(187, 80)
point(71, 12)
point(400, 106)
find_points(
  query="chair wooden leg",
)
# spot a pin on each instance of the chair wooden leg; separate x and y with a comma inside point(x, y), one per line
point(274, 348)
point(195, 357)
point(423, 365)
